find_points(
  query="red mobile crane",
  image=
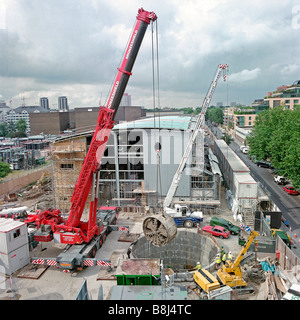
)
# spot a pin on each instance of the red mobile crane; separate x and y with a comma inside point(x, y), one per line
point(51, 225)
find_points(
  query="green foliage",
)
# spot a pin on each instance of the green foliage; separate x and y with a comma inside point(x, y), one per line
point(214, 114)
point(13, 130)
point(3, 130)
point(4, 169)
point(276, 136)
point(227, 138)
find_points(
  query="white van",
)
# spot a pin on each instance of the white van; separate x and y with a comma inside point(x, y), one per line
point(244, 149)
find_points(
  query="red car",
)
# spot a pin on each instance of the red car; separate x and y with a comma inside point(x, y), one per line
point(290, 190)
point(217, 231)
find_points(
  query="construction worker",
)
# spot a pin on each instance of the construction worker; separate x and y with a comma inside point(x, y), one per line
point(229, 257)
point(198, 266)
point(218, 260)
point(222, 251)
point(224, 258)
point(128, 252)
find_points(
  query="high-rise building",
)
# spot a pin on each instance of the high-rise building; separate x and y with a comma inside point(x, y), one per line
point(126, 100)
point(44, 103)
point(63, 104)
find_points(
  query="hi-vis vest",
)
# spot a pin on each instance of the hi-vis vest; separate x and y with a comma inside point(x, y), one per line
point(218, 260)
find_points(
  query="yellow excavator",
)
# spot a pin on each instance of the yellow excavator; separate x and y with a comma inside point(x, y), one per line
point(231, 274)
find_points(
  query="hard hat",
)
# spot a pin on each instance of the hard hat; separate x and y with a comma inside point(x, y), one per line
point(198, 262)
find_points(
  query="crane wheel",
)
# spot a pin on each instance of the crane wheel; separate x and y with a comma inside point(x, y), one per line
point(188, 224)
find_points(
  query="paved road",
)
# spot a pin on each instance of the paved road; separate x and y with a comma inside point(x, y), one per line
point(287, 204)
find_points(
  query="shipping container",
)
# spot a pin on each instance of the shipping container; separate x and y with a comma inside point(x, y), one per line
point(245, 186)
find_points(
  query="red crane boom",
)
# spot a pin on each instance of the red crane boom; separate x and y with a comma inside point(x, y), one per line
point(73, 230)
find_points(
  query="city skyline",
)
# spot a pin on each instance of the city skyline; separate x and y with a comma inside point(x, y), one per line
point(75, 50)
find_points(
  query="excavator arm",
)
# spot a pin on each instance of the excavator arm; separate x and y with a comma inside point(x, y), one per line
point(231, 273)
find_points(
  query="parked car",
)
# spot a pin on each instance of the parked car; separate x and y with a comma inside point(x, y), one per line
point(217, 231)
point(263, 164)
point(290, 190)
point(216, 221)
point(244, 149)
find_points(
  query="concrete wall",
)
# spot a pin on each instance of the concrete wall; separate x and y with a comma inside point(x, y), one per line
point(18, 183)
point(173, 144)
point(186, 249)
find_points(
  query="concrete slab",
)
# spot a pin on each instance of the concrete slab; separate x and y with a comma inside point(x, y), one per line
point(128, 237)
point(32, 271)
point(105, 274)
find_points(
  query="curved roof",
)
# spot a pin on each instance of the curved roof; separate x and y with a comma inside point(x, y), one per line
point(165, 122)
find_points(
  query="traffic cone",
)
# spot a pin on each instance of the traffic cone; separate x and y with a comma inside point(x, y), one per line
point(295, 235)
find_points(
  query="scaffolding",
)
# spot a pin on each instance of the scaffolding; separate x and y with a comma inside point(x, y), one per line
point(67, 159)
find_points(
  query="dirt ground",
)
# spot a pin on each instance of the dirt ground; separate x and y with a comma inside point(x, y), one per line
point(53, 284)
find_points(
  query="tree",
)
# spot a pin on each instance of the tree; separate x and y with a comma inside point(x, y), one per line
point(21, 127)
point(3, 130)
point(214, 114)
point(4, 169)
point(227, 138)
point(276, 137)
point(18, 129)
point(11, 128)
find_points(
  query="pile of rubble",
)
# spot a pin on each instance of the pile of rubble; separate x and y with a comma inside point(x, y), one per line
point(275, 283)
point(43, 185)
point(36, 196)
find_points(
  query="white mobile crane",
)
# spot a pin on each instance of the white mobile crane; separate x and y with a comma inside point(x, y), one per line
point(199, 122)
point(161, 229)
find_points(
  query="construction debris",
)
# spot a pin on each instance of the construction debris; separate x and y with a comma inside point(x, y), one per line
point(275, 281)
point(32, 271)
point(11, 197)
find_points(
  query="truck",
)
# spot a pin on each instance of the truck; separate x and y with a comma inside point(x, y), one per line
point(84, 238)
point(184, 217)
point(280, 180)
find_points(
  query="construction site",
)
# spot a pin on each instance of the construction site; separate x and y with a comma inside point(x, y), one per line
point(152, 209)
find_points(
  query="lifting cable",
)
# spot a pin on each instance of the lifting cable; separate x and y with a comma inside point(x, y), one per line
point(156, 96)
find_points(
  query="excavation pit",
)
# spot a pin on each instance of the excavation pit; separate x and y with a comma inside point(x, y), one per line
point(182, 253)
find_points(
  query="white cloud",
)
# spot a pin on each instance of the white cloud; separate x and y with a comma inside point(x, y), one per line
point(60, 45)
point(290, 69)
point(244, 75)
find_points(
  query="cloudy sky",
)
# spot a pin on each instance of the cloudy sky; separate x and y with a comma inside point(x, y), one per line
point(73, 48)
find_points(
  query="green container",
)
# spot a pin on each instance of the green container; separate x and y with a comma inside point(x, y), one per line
point(138, 272)
point(137, 280)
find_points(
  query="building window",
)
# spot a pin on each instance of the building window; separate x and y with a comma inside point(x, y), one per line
point(66, 166)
